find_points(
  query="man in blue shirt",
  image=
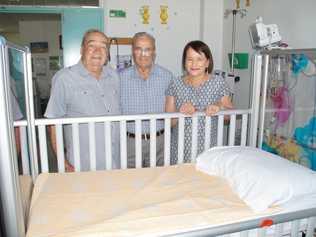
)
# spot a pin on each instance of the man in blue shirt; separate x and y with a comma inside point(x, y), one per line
point(143, 89)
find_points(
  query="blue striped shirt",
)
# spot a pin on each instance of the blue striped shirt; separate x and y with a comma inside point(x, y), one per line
point(139, 96)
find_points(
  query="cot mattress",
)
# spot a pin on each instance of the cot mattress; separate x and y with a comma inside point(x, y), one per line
point(133, 202)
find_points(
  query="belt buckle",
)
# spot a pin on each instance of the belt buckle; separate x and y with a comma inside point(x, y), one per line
point(146, 136)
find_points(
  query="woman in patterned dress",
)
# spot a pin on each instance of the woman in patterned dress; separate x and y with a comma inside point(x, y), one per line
point(198, 90)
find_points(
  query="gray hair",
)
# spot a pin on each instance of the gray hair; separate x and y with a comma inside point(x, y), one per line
point(141, 35)
point(88, 32)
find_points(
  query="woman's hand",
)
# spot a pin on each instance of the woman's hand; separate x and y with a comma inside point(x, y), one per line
point(212, 109)
point(187, 108)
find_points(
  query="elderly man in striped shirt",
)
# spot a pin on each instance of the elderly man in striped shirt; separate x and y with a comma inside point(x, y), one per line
point(143, 89)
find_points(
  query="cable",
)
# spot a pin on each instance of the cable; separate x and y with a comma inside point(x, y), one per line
point(117, 52)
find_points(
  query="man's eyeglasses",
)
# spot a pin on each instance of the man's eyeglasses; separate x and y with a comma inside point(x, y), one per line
point(143, 51)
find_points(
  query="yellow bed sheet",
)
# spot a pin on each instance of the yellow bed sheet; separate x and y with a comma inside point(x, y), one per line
point(133, 202)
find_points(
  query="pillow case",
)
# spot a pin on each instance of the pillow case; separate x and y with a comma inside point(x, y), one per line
point(261, 179)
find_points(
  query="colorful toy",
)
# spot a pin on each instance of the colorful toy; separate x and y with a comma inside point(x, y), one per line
point(306, 137)
point(299, 63)
point(282, 105)
point(287, 148)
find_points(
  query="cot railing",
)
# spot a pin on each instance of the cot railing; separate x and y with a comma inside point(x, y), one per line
point(233, 132)
point(295, 224)
point(299, 223)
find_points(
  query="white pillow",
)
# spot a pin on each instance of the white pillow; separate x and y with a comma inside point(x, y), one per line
point(258, 177)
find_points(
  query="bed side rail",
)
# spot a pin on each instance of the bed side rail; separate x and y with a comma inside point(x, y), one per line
point(234, 132)
point(299, 223)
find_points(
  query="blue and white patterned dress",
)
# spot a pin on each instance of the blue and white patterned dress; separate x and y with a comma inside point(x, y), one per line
point(208, 93)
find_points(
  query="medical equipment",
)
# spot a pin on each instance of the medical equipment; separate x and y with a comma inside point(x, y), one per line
point(232, 78)
point(262, 35)
point(242, 13)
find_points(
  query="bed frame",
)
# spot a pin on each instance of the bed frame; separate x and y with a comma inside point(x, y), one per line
point(241, 130)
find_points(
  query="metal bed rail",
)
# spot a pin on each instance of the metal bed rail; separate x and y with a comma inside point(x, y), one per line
point(273, 225)
point(232, 133)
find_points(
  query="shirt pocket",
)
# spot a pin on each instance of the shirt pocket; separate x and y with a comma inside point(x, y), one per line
point(81, 103)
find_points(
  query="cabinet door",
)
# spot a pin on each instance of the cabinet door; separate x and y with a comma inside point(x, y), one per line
point(74, 23)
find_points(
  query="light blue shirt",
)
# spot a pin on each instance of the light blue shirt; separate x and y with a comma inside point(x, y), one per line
point(76, 93)
point(139, 96)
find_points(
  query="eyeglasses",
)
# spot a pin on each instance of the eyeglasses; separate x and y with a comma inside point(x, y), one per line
point(143, 51)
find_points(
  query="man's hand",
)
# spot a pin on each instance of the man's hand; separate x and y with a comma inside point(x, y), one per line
point(187, 108)
point(69, 167)
point(52, 131)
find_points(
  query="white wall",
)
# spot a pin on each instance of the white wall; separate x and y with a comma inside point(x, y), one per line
point(295, 20)
point(188, 20)
point(37, 31)
point(212, 30)
point(204, 19)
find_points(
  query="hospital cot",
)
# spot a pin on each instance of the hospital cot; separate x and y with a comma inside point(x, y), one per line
point(241, 131)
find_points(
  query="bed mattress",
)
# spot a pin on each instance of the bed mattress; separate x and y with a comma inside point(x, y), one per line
point(133, 202)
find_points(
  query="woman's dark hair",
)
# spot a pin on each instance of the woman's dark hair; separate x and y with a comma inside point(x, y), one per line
point(199, 47)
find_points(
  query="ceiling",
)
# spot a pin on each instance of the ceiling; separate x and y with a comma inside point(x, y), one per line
point(50, 2)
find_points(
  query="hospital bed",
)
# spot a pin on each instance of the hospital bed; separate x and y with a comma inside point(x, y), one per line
point(146, 202)
point(173, 200)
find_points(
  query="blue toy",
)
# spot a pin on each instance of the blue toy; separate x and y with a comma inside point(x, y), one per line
point(306, 137)
point(299, 63)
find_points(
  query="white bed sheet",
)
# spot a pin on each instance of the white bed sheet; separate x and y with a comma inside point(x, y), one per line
point(304, 202)
point(136, 202)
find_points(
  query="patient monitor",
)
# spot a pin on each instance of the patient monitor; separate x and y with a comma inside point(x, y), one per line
point(264, 35)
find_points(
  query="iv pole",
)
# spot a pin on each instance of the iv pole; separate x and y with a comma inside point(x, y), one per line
point(234, 12)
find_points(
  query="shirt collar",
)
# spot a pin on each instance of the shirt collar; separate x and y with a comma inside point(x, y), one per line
point(152, 70)
point(86, 74)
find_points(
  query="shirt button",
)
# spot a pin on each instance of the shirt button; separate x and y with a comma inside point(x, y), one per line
point(102, 95)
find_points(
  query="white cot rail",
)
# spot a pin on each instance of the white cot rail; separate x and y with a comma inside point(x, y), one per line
point(233, 132)
point(300, 223)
